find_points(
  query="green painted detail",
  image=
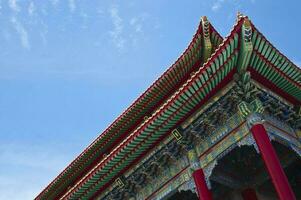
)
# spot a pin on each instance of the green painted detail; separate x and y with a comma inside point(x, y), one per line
point(257, 106)
point(177, 135)
point(215, 39)
point(245, 109)
point(244, 88)
point(178, 109)
point(274, 66)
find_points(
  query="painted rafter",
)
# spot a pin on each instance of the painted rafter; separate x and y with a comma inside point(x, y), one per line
point(267, 64)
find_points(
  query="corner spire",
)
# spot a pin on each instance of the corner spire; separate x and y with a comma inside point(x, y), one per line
point(207, 46)
point(239, 15)
point(246, 46)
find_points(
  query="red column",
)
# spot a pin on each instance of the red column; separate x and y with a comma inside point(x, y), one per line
point(201, 185)
point(272, 163)
point(249, 194)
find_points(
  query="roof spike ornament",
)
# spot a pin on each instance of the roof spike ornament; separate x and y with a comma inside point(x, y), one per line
point(207, 46)
point(239, 15)
point(246, 46)
point(244, 87)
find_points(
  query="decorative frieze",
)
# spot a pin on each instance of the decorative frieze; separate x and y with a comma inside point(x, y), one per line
point(248, 141)
point(208, 171)
point(254, 119)
point(193, 159)
point(211, 135)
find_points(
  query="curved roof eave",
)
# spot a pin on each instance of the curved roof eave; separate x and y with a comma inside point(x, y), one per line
point(139, 105)
point(156, 114)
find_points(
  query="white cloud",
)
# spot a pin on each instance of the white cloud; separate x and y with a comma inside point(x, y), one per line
point(136, 23)
point(116, 33)
point(217, 5)
point(14, 5)
point(72, 5)
point(31, 8)
point(21, 32)
point(33, 166)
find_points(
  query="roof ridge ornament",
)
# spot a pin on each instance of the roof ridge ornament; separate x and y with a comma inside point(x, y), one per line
point(239, 15)
point(246, 46)
point(206, 43)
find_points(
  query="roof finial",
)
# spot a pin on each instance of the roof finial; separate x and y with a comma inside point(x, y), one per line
point(247, 23)
point(239, 15)
point(205, 25)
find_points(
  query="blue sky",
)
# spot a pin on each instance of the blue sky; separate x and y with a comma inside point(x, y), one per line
point(69, 67)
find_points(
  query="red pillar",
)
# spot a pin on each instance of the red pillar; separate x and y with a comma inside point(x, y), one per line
point(249, 194)
point(201, 185)
point(272, 163)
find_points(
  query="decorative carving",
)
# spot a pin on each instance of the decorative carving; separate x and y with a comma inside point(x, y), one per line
point(225, 152)
point(254, 119)
point(205, 26)
point(239, 15)
point(244, 109)
point(177, 134)
point(206, 39)
point(244, 88)
point(211, 127)
point(247, 32)
point(119, 182)
point(193, 159)
point(257, 106)
point(248, 141)
point(208, 171)
point(189, 185)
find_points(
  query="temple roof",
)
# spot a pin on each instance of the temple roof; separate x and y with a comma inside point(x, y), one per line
point(207, 65)
point(192, 58)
